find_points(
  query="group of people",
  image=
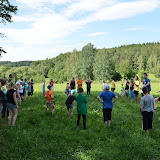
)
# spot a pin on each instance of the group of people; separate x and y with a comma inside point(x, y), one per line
point(11, 95)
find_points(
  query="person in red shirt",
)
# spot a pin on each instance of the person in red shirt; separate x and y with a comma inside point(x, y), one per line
point(79, 82)
point(51, 84)
point(49, 97)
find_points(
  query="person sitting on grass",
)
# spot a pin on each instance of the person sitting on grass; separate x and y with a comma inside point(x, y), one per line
point(122, 91)
point(81, 107)
point(12, 104)
point(147, 107)
point(107, 97)
point(49, 96)
point(70, 102)
point(67, 90)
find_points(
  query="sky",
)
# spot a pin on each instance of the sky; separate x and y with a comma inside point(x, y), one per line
point(45, 28)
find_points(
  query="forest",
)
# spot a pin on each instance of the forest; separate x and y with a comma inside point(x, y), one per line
point(97, 64)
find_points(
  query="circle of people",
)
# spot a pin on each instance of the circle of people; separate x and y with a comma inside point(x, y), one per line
point(16, 93)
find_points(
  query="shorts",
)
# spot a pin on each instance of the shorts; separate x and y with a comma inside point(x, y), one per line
point(136, 93)
point(52, 88)
point(10, 105)
point(21, 94)
point(29, 94)
point(147, 120)
point(66, 91)
point(112, 89)
point(50, 103)
point(70, 106)
point(24, 91)
point(18, 94)
point(127, 93)
point(107, 114)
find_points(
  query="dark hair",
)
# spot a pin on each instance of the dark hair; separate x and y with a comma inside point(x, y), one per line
point(11, 75)
point(80, 90)
point(145, 90)
point(67, 83)
point(145, 74)
point(10, 84)
point(3, 81)
point(31, 80)
point(137, 78)
point(21, 79)
point(111, 78)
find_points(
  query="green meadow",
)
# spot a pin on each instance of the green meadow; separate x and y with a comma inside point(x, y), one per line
point(39, 135)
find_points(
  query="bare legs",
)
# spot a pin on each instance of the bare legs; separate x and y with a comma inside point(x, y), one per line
point(71, 113)
point(107, 122)
point(15, 112)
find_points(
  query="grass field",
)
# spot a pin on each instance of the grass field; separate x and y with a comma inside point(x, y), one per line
point(39, 135)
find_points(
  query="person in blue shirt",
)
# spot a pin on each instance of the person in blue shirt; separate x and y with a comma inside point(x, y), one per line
point(88, 83)
point(107, 102)
point(147, 82)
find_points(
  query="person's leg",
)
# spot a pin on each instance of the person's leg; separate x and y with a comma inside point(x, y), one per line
point(15, 111)
point(72, 112)
point(53, 107)
point(10, 116)
point(89, 91)
point(78, 119)
point(4, 109)
point(109, 117)
point(105, 117)
point(67, 111)
point(84, 121)
point(47, 104)
point(145, 121)
point(150, 121)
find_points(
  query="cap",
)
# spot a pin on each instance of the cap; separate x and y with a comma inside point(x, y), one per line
point(131, 77)
point(17, 82)
point(106, 86)
point(73, 91)
point(49, 86)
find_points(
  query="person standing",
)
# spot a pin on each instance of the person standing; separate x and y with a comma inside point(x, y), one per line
point(32, 88)
point(113, 86)
point(136, 88)
point(25, 87)
point(43, 88)
point(131, 89)
point(79, 82)
point(72, 84)
point(88, 83)
point(147, 82)
point(107, 97)
point(127, 88)
point(51, 84)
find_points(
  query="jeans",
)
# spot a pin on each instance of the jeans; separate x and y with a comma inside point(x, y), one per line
point(88, 91)
point(132, 94)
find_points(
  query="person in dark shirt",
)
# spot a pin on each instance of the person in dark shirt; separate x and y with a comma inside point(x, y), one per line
point(32, 89)
point(12, 104)
point(72, 84)
point(70, 102)
point(88, 83)
point(127, 88)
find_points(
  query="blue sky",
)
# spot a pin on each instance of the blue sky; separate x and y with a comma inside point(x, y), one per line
point(45, 28)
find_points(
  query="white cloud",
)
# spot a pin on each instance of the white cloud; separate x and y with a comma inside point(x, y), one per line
point(139, 29)
point(97, 34)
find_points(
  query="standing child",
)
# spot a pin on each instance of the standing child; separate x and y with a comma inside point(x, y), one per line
point(107, 103)
point(70, 102)
point(49, 96)
point(51, 84)
point(131, 89)
point(12, 104)
point(67, 90)
point(113, 86)
point(136, 89)
point(29, 89)
point(21, 90)
point(25, 88)
point(147, 107)
point(43, 88)
point(127, 88)
point(81, 107)
point(32, 88)
point(142, 88)
point(88, 83)
point(122, 91)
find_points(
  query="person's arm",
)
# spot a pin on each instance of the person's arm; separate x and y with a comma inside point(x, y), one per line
point(141, 108)
point(99, 98)
point(116, 97)
point(15, 99)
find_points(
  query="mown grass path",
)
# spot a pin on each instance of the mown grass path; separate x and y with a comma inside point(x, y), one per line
point(39, 135)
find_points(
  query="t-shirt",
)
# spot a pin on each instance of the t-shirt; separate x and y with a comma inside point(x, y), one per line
point(81, 104)
point(43, 87)
point(146, 82)
point(79, 81)
point(32, 86)
point(48, 95)
point(29, 88)
point(51, 83)
point(147, 103)
point(107, 99)
point(88, 84)
point(122, 88)
point(10, 98)
point(112, 84)
point(127, 86)
point(72, 84)
point(25, 84)
point(20, 89)
point(135, 87)
point(70, 99)
point(131, 86)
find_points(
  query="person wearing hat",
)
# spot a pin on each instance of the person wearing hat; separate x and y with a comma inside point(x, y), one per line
point(49, 96)
point(107, 102)
point(70, 102)
point(131, 89)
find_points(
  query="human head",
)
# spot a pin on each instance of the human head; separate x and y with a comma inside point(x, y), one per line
point(73, 91)
point(67, 83)
point(121, 84)
point(145, 75)
point(22, 79)
point(106, 87)
point(145, 90)
point(51, 79)
point(44, 81)
point(17, 83)
point(80, 90)
point(131, 79)
point(2, 82)
point(79, 77)
point(49, 87)
point(11, 76)
point(136, 78)
point(103, 81)
point(73, 78)
point(29, 83)
point(126, 79)
point(25, 79)
point(111, 79)
point(31, 80)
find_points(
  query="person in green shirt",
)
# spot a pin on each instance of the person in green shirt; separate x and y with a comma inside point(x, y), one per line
point(122, 91)
point(81, 107)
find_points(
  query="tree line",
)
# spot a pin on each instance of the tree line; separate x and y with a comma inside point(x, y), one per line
point(98, 64)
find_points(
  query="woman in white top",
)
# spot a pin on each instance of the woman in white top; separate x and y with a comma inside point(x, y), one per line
point(21, 90)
